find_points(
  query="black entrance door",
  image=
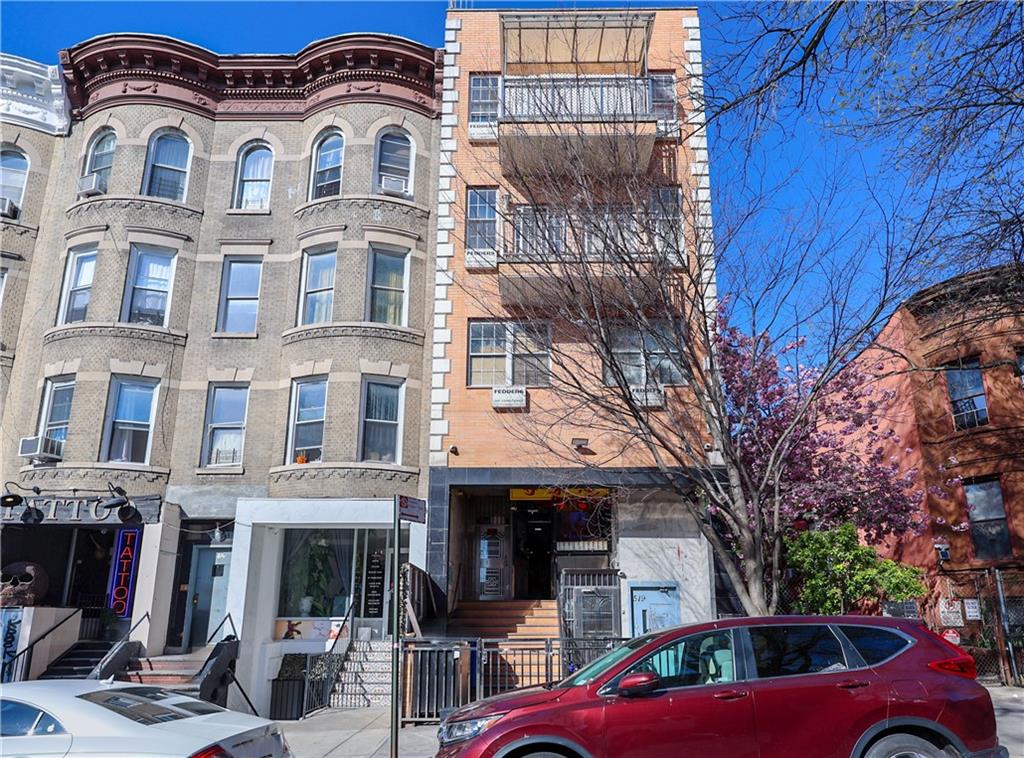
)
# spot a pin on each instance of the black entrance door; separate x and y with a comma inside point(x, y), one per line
point(534, 535)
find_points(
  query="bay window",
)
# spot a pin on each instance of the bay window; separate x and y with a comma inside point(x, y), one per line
point(129, 422)
point(316, 301)
point(387, 287)
point(150, 275)
point(306, 426)
point(77, 290)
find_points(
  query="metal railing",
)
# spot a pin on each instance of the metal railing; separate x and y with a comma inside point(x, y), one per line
point(19, 667)
point(118, 656)
point(573, 98)
point(443, 674)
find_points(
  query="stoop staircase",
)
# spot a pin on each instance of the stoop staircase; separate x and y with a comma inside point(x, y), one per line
point(365, 676)
point(505, 619)
point(174, 672)
point(77, 661)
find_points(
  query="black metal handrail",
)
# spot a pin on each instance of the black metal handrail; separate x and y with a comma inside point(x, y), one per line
point(14, 669)
point(115, 651)
point(324, 668)
point(228, 619)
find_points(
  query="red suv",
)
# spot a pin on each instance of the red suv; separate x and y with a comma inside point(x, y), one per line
point(780, 687)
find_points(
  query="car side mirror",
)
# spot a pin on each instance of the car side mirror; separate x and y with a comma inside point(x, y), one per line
point(639, 683)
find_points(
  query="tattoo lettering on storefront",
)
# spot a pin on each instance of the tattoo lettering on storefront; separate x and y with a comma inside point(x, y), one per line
point(83, 510)
point(122, 581)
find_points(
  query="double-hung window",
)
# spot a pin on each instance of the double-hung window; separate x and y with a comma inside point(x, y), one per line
point(967, 394)
point(328, 160)
point(56, 411)
point(503, 353)
point(663, 100)
point(77, 291)
point(666, 220)
point(150, 276)
point(167, 165)
point(986, 512)
point(13, 174)
point(129, 424)
point(316, 302)
point(252, 185)
point(482, 220)
point(225, 424)
point(101, 158)
point(484, 92)
point(308, 412)
point(387, 287)
point(645, 358)
point(240, 295)
point(394, 162)
point(382, 402)
point(3, 284)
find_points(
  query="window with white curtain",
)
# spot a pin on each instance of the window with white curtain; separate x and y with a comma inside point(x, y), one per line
point(56, 411)
point(647, 358)
point(225, 424)
point(101, 157)
point(150, 275)
point(252, 185)
point(13, 174)
point(129, 423)
point(316, 300)
point(387, 287)
point(77, 290)
point(381, 417)
point(167, 165)
point(306, 427)
point(394, 162)
point(240, 295)
point(328, 160)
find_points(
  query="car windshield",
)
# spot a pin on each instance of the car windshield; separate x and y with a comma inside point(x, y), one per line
point(149, 705)
point(595, 668)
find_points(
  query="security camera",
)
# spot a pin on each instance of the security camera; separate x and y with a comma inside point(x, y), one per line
point(453, 449)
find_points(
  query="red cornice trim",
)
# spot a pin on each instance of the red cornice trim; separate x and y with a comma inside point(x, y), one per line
point(133, 68)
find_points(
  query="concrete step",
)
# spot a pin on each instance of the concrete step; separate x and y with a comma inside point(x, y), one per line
point(367, 667)
point(359, 701)
point(159, 677)
point(353, 677)
point(369, 688)
point(162, 664)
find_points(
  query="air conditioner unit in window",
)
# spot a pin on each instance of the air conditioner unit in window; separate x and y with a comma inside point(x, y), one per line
point(7, 208)
point(648, 397)
point(41, 448)
point(393, 185)
point(89, 185)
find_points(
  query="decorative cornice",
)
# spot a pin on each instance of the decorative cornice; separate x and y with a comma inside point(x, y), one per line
point(381, 203)
point(94, 473)
point(349, 471)
point(126, 331)
point(32, 94)
point(12, 227)
point(356, 329)
point(140, 68)
point(102, 204)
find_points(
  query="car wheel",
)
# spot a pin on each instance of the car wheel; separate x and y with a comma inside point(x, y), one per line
point(907, 746)
point(545, 754)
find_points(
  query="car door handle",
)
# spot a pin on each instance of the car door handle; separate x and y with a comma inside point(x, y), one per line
point(852, 684)
point(730, 694)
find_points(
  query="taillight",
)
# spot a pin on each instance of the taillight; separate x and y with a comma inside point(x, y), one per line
point(214, 751)
point(960, 663)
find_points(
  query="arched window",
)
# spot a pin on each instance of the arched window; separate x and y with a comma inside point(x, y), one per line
point(394, 162)
point(167, 165)
point(101, 157)
point(327, 164)
point(13, 173)
point(252, 186)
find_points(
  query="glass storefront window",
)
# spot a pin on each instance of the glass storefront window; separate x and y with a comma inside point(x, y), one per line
point(316, 572)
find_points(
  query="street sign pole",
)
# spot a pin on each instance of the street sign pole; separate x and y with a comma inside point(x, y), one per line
point(396, 640)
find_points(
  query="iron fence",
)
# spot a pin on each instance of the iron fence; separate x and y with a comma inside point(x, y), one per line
point(444, 674)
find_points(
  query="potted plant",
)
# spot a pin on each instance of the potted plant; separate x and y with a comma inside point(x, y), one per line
point(110, 623)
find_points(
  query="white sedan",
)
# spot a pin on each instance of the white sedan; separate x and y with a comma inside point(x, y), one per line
point(80, 717)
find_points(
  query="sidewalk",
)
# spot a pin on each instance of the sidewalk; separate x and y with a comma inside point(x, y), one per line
point(358, 733)
point(363, 733)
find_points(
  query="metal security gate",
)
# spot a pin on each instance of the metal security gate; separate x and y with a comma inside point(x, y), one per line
point(986, 608)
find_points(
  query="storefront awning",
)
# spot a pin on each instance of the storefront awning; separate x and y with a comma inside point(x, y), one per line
point(576, 43)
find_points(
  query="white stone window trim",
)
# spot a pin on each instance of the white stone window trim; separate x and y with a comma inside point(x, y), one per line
point(133, 266)
point(117, 381)
point(209, 427)
point(366, 380)
point(224, 298)
point(377, 175)
point(75, 255)
point(239, 187)
point(293, 421)
point(149, 163)
point(376, 249)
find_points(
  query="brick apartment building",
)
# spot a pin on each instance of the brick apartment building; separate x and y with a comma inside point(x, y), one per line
point(959, 414)
point(502, 543)
point(217, 279)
